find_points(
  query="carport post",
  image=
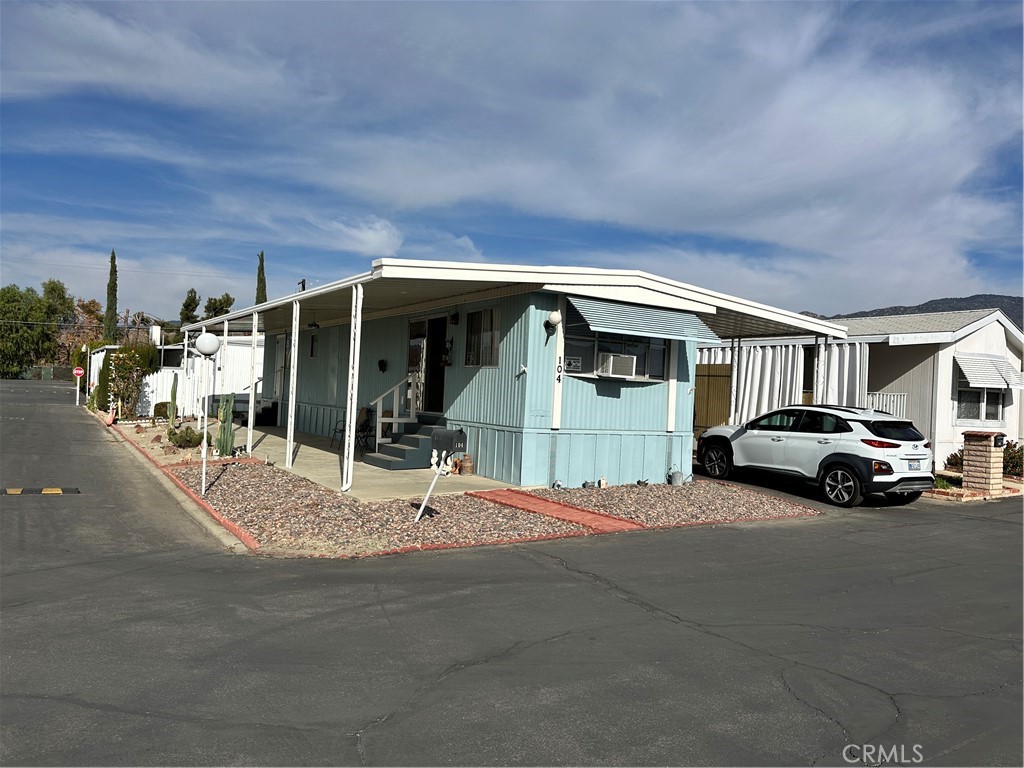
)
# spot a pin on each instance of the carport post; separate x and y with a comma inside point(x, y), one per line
point(293, 369)
point(734, 362)
point(352, 399)
point(252, 383)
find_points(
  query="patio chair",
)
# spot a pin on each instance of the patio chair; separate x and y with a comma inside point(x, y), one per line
point(339, 433)
point(364, 429)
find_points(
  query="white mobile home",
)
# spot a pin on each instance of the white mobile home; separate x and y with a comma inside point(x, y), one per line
point(948, 372)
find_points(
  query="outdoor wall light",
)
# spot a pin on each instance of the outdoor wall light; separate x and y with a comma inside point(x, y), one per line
point(554, 320)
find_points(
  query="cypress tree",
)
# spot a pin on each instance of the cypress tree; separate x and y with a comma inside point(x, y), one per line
point(110, 316)
point(261, 282)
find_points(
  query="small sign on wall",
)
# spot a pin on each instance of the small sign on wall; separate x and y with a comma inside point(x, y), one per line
point(574, 365)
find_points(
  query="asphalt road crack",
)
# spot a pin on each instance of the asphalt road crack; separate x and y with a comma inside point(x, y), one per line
point(520, 645)
point(620, 592)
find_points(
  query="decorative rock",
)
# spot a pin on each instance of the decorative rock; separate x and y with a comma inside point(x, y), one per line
point(157, 439)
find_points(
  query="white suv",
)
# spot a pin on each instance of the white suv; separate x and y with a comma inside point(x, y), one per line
point(848, 452)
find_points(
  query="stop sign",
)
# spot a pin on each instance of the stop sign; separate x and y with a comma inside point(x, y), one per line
point(79, 372)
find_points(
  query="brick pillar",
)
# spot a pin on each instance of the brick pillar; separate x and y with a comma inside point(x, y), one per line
point(983, 462)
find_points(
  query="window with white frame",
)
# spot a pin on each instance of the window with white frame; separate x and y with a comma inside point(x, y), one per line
point(978, 403)
point(584, 348)
point(482, 336)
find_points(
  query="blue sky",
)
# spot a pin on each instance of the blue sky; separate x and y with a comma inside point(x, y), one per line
point(829, 157)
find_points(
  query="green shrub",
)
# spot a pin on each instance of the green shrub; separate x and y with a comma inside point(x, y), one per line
point(161, 410)
point(146, 353)
point(102, 390)
point(955, 461)
point(1013, 459)
point(942, 483)
point(186, 438)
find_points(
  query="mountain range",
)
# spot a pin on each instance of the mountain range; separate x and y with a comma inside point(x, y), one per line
point(1012, 307)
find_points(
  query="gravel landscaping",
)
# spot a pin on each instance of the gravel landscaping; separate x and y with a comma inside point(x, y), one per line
point(699, 502)
point(289, 515)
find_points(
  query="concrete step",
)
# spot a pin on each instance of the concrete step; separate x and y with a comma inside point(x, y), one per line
point(411, 449)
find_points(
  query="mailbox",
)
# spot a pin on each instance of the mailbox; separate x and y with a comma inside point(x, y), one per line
point(448, 441)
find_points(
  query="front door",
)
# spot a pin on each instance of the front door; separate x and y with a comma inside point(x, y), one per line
point(428, 358)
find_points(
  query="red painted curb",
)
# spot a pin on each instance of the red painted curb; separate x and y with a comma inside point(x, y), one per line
point(236, 530)
point(599, 522)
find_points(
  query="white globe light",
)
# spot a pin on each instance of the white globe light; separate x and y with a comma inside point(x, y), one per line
point(207, 344)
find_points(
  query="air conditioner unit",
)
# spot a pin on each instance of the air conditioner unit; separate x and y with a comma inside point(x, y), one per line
point(616, 366)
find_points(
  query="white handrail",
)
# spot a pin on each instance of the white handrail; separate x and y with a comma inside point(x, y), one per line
point(396, 393)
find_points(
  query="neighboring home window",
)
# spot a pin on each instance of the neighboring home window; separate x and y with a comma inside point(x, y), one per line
point(314, 344)
point(482, 338)
point(172, 357)
point(976, 403)
point(584, 348)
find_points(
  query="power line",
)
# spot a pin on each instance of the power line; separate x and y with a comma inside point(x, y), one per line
point(120, 269)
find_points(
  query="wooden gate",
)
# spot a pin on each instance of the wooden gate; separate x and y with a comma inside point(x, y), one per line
point(711, 397)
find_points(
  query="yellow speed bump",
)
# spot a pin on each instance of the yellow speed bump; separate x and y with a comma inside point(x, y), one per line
point(32, 491)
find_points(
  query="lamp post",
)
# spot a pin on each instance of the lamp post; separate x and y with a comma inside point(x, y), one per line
point(78, 381)
point(206, 345)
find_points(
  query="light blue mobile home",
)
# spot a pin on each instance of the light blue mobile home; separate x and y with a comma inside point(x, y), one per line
point(555, 374)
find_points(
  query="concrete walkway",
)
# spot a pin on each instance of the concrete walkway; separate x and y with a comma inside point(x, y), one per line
point(316, 460)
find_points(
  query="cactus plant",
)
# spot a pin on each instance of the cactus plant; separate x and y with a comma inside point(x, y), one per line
point(226, 432)
point(172, 408)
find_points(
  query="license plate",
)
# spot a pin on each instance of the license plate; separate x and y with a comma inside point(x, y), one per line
point(914, 466)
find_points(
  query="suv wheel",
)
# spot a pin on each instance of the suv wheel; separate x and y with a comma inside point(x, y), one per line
point(840, 486)
point(717, 462)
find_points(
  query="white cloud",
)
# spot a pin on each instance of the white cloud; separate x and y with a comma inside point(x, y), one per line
point(373, 236)
point(850, 132)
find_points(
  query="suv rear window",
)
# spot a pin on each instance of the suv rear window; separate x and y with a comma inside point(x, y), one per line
point(893, 430)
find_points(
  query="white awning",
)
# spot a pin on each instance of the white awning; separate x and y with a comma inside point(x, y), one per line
point(1014, 379)
point(989, 372)
point(636, 320)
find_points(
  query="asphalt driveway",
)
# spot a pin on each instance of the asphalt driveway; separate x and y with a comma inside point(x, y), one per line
point(130, 636)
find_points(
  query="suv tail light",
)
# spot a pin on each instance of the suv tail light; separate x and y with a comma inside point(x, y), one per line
point(880, 443)
point(881, 468)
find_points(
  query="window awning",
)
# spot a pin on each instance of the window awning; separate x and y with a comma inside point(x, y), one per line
point(637, 320)
point(989, 372)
